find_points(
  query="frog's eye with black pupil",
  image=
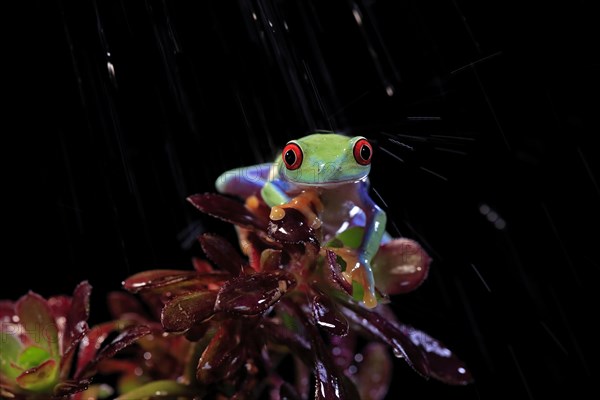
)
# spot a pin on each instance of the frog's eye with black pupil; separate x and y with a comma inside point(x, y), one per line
point(363, 152)
point(292, 156)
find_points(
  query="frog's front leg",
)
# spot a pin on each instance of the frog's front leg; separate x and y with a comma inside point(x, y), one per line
point(244, 182)
point(273, 194)
point(375, 221)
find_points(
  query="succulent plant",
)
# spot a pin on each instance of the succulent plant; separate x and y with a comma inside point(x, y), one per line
point(262, 321)
point(278, 320)
point(48, 350)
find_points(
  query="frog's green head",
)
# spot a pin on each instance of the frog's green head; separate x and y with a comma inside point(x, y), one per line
point(326, 159)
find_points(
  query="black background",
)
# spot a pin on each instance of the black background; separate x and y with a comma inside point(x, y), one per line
point(489, 104)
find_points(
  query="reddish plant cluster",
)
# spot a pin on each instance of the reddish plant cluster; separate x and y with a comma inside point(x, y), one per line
point(278, 321)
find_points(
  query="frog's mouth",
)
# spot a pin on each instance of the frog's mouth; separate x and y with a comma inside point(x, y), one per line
point(329, 184)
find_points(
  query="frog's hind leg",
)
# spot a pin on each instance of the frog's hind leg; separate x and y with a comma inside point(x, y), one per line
point(244, 182)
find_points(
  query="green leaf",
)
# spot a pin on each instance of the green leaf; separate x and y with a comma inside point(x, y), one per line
point(32, 356)
point(11, 348)
point(41, 378)
point(158, 389)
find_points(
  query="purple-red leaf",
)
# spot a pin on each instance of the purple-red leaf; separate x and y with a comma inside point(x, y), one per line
point(328, 317)
point(330, 384)
point(253, 294)
point(91, 344)
point(78, 314)
point(60, 305)
point(7, 311)
point(120, 303)
point(66, 388)
point(228, 210)
point(270, 260)
point(335, 275)
point(156, 278)
point(68, 352)
point(222, 253)
point(292, 228)
point(375, 372)
point(400, 266)
point(126, 338)
point(38, 322)
point(222, 357)
point(426, 355)
point(377, 325)
point(299, 345)
point(184, 311)
point(443, 364)
point(343, 349)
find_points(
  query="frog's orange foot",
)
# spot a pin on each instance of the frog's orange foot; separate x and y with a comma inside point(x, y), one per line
point(360, 272)
point(307, 202)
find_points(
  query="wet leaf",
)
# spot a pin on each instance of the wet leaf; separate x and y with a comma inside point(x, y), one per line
point(70, 387)
point(124, 339)
point(36, 318)
point(156, 278)
point(253, 294)
point(228, 210)
point(69, 352)
point(91, 344)
point(7, 310)
point(298, 344)
point(39, 378)
point(335, 273)
point(270, 260)
point(91, 354)
point(292, 228)
point(377, 325)
point(181, 313)
point(400, 266)
point(375, 372)
point(78, 314)
point(120, 303)
point(158, 389)
point(443, 364)
point(425, 354)
point(328, 317)
point(222, 253)
point(222, 357)
point(343, 349)
point(329, 384)
point(59, 305)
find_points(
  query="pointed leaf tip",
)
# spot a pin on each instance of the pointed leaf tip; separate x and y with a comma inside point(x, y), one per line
point(183, 312)
point(228, 210)
point(222, 253)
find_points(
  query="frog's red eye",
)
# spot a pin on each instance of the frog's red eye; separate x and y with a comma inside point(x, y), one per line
point(363, 152)
point(292, 156)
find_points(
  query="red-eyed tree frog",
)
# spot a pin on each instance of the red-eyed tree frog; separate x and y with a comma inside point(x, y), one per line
point(337, 168)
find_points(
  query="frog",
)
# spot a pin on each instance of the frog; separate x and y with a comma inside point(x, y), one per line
point(336, 167)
